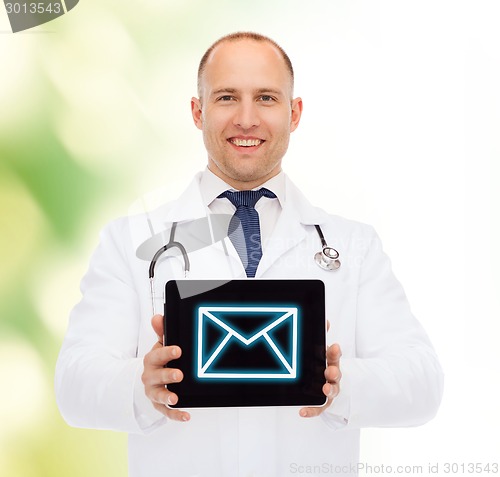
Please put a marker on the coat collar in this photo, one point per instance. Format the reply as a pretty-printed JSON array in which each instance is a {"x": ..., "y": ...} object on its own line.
[
  {"x": 190, "y": 206},
  {"x": 305, "y": 212},
  {"x": 290, "y": 230}
]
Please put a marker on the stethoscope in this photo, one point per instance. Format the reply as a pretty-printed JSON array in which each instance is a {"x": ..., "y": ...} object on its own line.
[
  {"x": 327, "y": 258},
  {"x": 170, "y": 245}
]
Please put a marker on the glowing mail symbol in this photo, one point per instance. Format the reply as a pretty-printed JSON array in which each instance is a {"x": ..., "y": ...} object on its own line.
[{"x": 262, "y": 341}]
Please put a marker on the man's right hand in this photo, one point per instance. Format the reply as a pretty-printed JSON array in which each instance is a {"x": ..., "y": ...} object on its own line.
[{"x": 156, "y": 376}]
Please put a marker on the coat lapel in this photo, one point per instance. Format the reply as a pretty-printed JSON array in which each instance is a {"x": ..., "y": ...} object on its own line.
[
  {"x": 288, "y": 233},
  {"x": 201, "y": 232},
  {"x": 290, "y": 229}
]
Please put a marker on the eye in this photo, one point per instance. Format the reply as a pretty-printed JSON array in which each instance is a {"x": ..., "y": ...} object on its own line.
[
  {"x": 266, "y": 98},
  {"x": 226, "y": 97}
]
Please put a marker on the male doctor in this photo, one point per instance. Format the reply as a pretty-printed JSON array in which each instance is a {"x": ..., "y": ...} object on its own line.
[{"x": 110, "y": 373}]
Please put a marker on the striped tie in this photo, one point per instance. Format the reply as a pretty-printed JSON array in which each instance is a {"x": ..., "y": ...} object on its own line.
[{"x": 244, "y": 228}]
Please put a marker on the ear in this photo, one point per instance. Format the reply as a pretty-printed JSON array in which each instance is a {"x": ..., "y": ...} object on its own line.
[
  {"x": 296, "y": 113},
  {"x": 197, "y": 112}
]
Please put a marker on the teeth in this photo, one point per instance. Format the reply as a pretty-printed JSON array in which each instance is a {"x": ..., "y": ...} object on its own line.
[{"x": 246, "y": 142}]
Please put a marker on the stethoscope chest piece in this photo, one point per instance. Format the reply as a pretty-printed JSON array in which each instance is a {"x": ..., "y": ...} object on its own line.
[{"x": 328, "y": 259}]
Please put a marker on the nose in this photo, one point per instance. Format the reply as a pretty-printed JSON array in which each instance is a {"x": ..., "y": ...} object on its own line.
[{"x": 246, "y": 114}]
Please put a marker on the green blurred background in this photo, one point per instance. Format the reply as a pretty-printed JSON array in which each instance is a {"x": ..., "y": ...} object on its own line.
[{"x": 94, "y": 112}]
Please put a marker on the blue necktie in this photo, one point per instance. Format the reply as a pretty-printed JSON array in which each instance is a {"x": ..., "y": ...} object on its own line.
[{"x": 244, "y": 228}]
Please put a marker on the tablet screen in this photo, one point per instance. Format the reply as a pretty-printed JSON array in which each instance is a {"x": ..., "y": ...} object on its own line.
[{"x": 252, "y": 342}]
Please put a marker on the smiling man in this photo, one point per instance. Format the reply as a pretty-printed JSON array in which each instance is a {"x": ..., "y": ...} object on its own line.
[
  {"x": 246, "y": 110},
  {"x": 113, "y": 373}
]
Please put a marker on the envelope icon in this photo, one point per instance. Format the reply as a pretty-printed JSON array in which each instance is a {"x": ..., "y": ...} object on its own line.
[{"x": 247, "y": 342}]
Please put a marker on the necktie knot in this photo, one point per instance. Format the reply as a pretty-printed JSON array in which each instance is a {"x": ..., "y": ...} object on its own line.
[{"x": 247, "y": 198}]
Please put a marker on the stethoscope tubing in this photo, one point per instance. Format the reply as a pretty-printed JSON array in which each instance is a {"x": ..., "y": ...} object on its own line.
[
  {"x": 327, "y": 259},
  {"x": 171, "y": 244}
]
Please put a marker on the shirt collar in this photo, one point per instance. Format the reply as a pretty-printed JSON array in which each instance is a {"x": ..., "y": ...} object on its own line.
[{"x": 211, "y": 186}]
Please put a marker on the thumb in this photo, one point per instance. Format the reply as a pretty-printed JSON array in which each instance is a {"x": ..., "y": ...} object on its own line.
[{"x": 157, "y": 322}]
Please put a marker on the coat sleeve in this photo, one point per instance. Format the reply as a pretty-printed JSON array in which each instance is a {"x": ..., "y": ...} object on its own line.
[
  {"x": 394, "y": 378},
  {"x": 98, "y": 373}
]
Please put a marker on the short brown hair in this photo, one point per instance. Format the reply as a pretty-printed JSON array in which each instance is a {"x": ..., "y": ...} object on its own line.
[{"x": 243, "y": 35}]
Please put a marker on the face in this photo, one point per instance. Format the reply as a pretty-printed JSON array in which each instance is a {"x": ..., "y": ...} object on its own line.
[{"x": 246, "y": 112}]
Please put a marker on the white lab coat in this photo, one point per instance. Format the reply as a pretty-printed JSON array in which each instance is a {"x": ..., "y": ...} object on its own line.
[{"x": 391, "y": 376}]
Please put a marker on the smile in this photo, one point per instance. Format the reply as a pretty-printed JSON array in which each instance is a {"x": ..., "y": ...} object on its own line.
[{"x": 246, "y": 142}]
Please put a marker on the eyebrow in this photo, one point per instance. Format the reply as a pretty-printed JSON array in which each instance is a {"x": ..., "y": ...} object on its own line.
[
  {"x": 223, "y": 90},
  {"x": 234, "y": 90},
  {"x": 269, "y": 90}
]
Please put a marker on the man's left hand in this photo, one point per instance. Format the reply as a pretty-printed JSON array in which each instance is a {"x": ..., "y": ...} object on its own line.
[{"x": 332, "y": 386}]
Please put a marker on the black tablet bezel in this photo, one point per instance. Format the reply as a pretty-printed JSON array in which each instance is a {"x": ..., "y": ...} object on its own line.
[{"x": 180, "y": 319}]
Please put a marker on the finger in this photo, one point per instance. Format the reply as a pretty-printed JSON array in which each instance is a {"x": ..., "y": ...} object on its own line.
[
  {"x": 327, "y": 326},
  {"x": 310, "y": 411},
  {"x": 161, "y": 377},
  {"x": 174, "y": 414},
  {"x": 155, "y": 386},
  {"x": 333, "y": 355},
  {"x": 331, "y": 390},
  {"x": 161, "y": 395},
  {"x": 157, "y": 322},
  {"x": 333, "y": 374},
  {"x": 314, "y": 411},
  {"x": 159, "y": 355}
]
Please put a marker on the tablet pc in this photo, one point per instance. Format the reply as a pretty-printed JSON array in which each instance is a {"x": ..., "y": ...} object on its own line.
[{"x": 258, "y": 342}]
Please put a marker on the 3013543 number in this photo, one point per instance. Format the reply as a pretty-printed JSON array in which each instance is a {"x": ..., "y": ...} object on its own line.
[
  {"x": 33, "y": 8},
  {"x": 474, "y": 468}
]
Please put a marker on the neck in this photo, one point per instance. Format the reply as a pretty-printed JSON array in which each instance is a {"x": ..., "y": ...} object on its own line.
[{"x": 241, "y": 184}]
